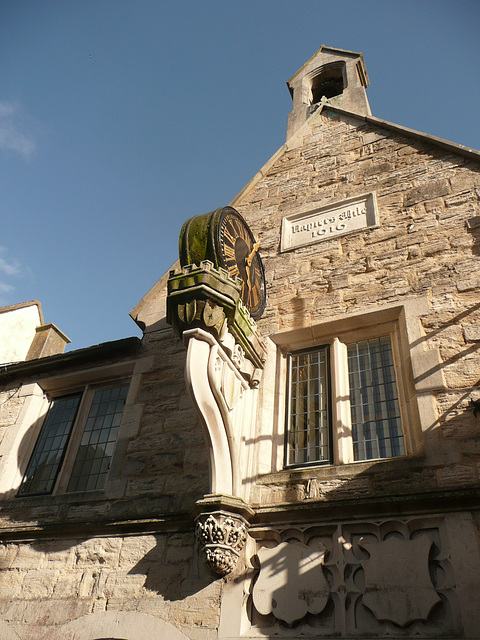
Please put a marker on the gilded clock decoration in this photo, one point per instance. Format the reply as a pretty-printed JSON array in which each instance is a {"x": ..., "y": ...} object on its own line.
[
  {"x": 224, "y": 237},
  {"x": 238, "y": 252}
]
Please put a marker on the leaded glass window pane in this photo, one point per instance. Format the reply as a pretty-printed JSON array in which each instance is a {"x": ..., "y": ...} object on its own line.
[
  {"x": 309, "y": 411},
  {"x": 50, "y": 449},
  {"x": 376, "y": 424},
  {"x": 92, "y": 463}
]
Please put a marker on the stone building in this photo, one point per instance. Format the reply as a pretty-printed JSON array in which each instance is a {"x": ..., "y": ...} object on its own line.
[{"x": 311, "y": 474}]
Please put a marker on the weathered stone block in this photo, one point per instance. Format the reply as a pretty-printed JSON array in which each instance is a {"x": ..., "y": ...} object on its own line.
[
  {"x": 11, "y": 582},
  {"x": 473, "y": 223},
  {"x": 98, "y": 552},
  {"x": 457, "y": 475},
  {"x": 471, "y": 332},
  {"x": 27, "y": 558},
  {"x": 136, "y": 549},
  {"x": 136, "y": 487},
  {"x": 428, "y": 191},
  {"x": 67, "y": 584},
  {"x": 124, "y": 585},
  {"x": 38, "y": 583}
]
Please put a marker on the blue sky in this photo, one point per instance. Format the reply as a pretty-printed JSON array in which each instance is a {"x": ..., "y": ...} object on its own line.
[{"x": 121, "y": 119}]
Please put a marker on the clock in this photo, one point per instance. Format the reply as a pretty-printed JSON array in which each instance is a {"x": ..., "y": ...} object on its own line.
[
  {"x": 237, "y": 251},
  {"x": 224, "y": 237}
]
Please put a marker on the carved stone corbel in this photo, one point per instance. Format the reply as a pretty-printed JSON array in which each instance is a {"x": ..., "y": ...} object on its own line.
[
  {"x": 221, "y": 528},
  {"x": 225, "y": 358},
  {"x": 216, "y": 388},
  {"x": 208, "y": 298}
]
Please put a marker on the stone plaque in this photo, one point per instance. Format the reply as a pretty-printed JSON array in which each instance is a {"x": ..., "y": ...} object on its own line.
[{"x": 355, "y": 214}]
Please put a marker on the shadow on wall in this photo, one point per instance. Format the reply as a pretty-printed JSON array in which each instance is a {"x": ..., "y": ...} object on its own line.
[
  {"x": 90, "y": 534},
  {"x": 24, "y": 448},
  {"x": 174, "y": 568},
  {"x": 98, "y": 568}
]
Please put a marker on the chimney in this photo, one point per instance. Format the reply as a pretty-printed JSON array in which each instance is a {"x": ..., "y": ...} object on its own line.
[{"x": 48, "y": 341}]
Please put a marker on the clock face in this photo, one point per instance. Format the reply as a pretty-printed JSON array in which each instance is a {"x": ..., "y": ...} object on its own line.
[{"x": 238, "y": 253}]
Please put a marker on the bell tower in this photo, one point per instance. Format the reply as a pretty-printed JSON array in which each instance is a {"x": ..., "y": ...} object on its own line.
[{"x": 331, "y": 76}]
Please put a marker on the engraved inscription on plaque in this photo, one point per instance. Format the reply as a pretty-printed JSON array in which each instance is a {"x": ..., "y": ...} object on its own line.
[{"x": 355, "y": 214}]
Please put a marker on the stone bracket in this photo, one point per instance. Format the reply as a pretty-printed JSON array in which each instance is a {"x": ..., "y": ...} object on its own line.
[
  {"x": 208, "y": 298},
  {"x": 221, "y": 528},
  {"x": 225, "y": 403},
  {"x": 225, "y": 358}
]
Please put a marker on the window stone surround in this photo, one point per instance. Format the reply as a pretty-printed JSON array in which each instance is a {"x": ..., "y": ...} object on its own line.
[{"x": 419, "y": 377}]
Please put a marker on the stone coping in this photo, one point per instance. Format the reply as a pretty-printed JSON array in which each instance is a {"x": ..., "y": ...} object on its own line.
[{"x": 22, "y": 305}]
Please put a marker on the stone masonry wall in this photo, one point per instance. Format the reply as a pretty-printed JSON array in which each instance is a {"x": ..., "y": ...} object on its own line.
[
  {"x": 49, "y": 583},
  {"x": 160, "y": 465},
  {"x": 159, "y": 471},
  {"x": 427, "y": 244},
  {"x": 168, "y": 457}
]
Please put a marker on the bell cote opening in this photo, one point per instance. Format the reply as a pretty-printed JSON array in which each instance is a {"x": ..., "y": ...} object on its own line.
[
  {"x": 332, "y": 76},
  {"x": 327, "y": 82}
]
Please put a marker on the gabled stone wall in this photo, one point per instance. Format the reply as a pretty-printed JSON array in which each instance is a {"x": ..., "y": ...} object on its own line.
[
  {"x": 423, "y": 245},
  {"x": 425, "y": 249}
]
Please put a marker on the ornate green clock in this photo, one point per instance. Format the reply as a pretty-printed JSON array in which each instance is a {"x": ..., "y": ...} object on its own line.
[{"x": 224, "y": 238}]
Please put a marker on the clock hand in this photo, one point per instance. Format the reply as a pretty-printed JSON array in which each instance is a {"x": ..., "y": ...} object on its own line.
[
  {"x": 252, "y": 253},
  {"x": 247, "y": 269}
]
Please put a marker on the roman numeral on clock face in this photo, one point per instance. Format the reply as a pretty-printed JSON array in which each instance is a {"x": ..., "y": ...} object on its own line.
[
  {"x": 238, "y": 254},
  {"x": 229, "y": 251},
  {"x": 252, "y": 298},
  {"x": 227, "y": 237},
  {"x": 232, "y": 269}
]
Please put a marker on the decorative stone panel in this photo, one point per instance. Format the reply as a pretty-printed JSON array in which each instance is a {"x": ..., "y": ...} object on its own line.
[
  {"x": 291, "y": 582},
  {"x": 380, "y": 577},
  {"x": 337, "y": 219}
]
